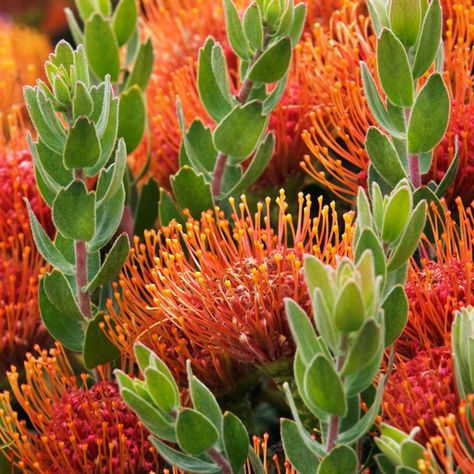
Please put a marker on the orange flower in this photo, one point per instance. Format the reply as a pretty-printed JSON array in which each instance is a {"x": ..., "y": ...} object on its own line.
[
  {"x": 340, "y": 122},
  {"x": 78, "y": 429},
  {"x": 219, "y": 286},
  {"x": 420, "y": 390},
  {"x": 441, "y": 281},
  {"x": 20, "y": 262},
  {"x": 22, "y": 54}
]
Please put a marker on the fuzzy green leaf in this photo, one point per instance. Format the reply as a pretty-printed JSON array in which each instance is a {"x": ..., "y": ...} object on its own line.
[
  {"x": 195, "y": 433},
  {"x": 82, "y": 148},
  {"x": 236, "y": 441},
  {"x": 273, "y": 64},
  {"x": 349, "y": 311},
  {"x": 395, "y": 306},
  {"x": 125, "y": 20},
  {"x": 405, "y": 20},
  {"x": 235, "y": 32},
  {"x": 396, "y": 214},
  {"x": 163, "y": 391},
  {"x": 253, "y": 27},
  {"x": 132, "y": 117},
  {"x": 341, "y": 460},
  {"x": 146, "y": 211},
  {"x": 142, "y": 67}
]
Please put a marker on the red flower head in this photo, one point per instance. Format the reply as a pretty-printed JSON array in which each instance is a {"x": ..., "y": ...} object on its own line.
[
  {"x": 419, "y": 391},
  {"x": 339, "y": 124},
  {"x": 441, "y": 281},
  {"x": 77, "y": 429},
  {"x": 219, "y": 286}
]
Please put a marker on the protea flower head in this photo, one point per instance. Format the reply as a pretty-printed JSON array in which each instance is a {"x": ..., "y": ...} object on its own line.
[
  {"x": 336, "y": 139},
  {"x": 219, "y": 285},
  {"x": 419, "y": 391},
  {"x": 441, "y": 281},
  {"x": 78, "y": 428},
  {"x": 22, "y": 54},
  {"x": 20, "y": 262}
]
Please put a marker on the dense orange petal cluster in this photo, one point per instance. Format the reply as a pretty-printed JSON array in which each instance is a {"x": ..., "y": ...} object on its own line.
[
  {"x": 219, "y": 285},
  {"x": 22, "y": 54},
  {"x": 78, "y": 428},
  {"x": 441, "y": 280},
  {"x": 339, "y": 123}
]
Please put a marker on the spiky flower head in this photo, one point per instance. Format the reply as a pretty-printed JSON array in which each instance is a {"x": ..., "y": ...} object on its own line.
[
  {"x": 419, "y": 391},
  {"x": 218, "y": 285},
  {"x": 336, "y": 139},
  {"x": 78, "y": 429},
  {"x": 22, "y": 54},
  {"x": 442, "y": 280}
]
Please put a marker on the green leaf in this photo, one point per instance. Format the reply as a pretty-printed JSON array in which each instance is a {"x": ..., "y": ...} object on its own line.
[
  {"x": 383, "y": 156},
  {"x": 297, "y": 27},
  {"x": 375, "y": 103},
  {"x": 236, "y": 441},
  {"x": 146, "y": 211},
  {"x": 50, "y": 134},
  {"x": 430, "y": 116},
  {"x": 108, "y": 219},
  {"x": 113, "y": 263},
  {"x": 429, "y": 41},
  {"x": 235, "y": 33},
  {"x": 257, "y": 166},
  {"x": 151, "y": 417},
  {"x": 74, "y": 27},
  {"x": 341, "y": 460},
  {"x": 82, "y": 145},
  {"x": 203, "y": 399},
  {"x": 85, "y": 8},
  {"x": 411, "y": 452},
  {"x": 98, "y": 349},
  {"x": 125, "y": 20},
  {"x": 45, "y": 247},
  {"x": 132, "y": 117},
  {"x": 394, "y": 69},
  {"x": 323, "y": 318},
  {"x": 69, "y": 332},
  {"x": 195, "y": 433},
  {"x": 82, "y": 101},
  {"x": 271, "y": 101},
  {"x": 273, "y": 64},
  {"x": 369, "y": 241},
  {"x": 163, "y": 392},
  {"x": 199, "y": 147},
  {"x": 301, "y": 458},
  {"x": 74, "y": 212},
  {"x": 384, "y": 464},
  {"x": 239, "y": 132},
  {"x": 317, "y": 276},
  {"x": 405, "y": 20},
  {"x": 191, "y": 191},
  {"x": 349, "y": 310},
  {"x": 183, "y": 461},
  {"x": 142, "y": 66},
  {"x": 101, "y": 48},
  {"x": 410, "y": 238},
  {"x": 324, "y": 387},
  {"x": 253, "y": 27},
  {"x": 302, "y": 331},
  {"x": 396, "y": 214},
  {"x": 364, "y": 348},
  {"x": 217, "y": 103},
  {"x": 60, "y": 294},
  {"x": 395, "y": 306},
  {"x": 167, "y": 209},
  {"x": 449, "y": 176}
]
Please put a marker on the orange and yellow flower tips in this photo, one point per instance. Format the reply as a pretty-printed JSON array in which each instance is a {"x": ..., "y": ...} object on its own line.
[
  {"x": 419, "y": 391},
  {"x": 20, "y": 262},
  {"x": 218, "y": 285},
  {"x": 330, "y": 60},
  {"x": 22, "y": 54},
  {"x": 78, "y": 429},
  {"x": 442, "y": 281},
  {"x": 454, "y": 443},
  {"x": 336, "y": 138}
]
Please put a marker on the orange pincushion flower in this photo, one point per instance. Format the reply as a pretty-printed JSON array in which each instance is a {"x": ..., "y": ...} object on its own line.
[
  {"x": 339, "y": 124},
  {"x": 420, "y": 390},
  {"x": 219, "y": 286},
  {"x": 22, "y": 54},
  {"x": 454, "y": 444},
  {"x": 20, "y": 262},
  {"x": 78, "y": 429},
  {"x": 441, "y": 282}
]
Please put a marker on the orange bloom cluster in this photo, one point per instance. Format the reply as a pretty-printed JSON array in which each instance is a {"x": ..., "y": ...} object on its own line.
[
  {"x": 178, "y": 30},
  {"x": 78, "y": 429},
  {"x": 219, "y": 286},
  {"x": 336, "y": 139},
  {"x": 419, "y": 391},
  {"x": 20, "y": 262},
  {"x": 22, "y": 54},
  {"x": 442, "y": 281}
]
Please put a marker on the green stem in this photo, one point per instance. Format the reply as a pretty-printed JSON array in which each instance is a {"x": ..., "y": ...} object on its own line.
[{"x": 413, "y": 159}]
